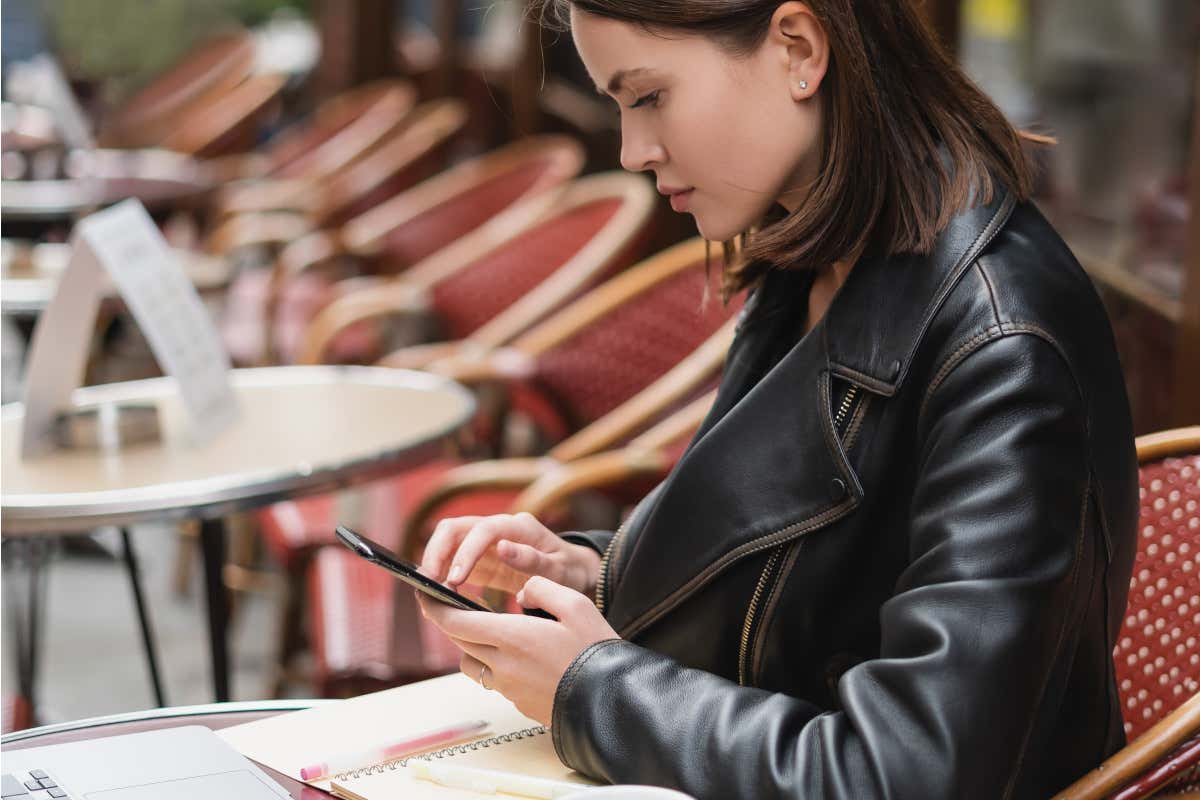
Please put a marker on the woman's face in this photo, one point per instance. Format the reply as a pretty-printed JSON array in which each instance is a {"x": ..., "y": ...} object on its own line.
[{"x": 737, "y": 133}]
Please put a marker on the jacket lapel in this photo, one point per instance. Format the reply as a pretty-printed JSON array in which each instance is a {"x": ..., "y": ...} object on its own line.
[{"x": 737, "y": 489}]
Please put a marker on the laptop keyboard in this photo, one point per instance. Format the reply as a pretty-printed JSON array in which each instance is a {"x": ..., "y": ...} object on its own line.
[{"x": 34, "y": 785}]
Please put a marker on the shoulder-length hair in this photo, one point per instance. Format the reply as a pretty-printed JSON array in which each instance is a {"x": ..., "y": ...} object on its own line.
[{"x": 909, "y": 140}]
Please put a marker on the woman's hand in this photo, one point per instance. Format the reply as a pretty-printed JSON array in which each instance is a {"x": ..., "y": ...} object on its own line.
[
  {"x": 503, "y": 551},
  {"x": 524, "y": 657}
]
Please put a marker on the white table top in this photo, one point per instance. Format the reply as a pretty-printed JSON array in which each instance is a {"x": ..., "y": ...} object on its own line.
[
  {"x": 302, "y": 430},
  {"x": 29, "y": 274}
]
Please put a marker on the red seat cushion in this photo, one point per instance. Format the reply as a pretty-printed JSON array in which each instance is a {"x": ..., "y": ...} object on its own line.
[
  {"x": 1157, "y": 654},
  {"x": 440, "y": 225},
  {"x": 475, "y": 294}
]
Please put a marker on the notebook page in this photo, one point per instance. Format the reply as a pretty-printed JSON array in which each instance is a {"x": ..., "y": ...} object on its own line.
[
  {"x": 288, "y": 742},
  {"x": 533, "y": 756}
]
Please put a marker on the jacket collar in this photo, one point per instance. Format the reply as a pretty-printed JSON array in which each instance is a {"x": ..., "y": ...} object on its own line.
[
  {"x": 737, "y": 490},
  {"x": 875, "y": 350}
]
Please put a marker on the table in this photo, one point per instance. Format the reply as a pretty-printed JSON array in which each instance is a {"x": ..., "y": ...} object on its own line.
[
  {"x": 214, "y": 716},
  {"x": 302, "y": 430},
  {"x": 100, "y": 178},
  {"x": 29, "y": 274}
]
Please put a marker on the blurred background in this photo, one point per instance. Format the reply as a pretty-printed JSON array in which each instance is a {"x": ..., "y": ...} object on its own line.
[{"x": 291, "y": 151}]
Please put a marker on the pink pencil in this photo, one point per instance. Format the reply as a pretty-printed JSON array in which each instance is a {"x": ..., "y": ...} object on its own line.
[{"x": 343, "y": 762}]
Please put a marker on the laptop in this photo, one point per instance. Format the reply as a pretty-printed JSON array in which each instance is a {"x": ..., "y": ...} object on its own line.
[{"x": 186, "y": 763}]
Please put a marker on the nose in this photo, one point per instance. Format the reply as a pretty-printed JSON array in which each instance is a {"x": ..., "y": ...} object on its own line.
[{"x": 640, "y": 149}]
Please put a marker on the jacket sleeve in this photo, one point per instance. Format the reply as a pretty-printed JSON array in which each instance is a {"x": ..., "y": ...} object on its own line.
[
  {"x": 597, "y": 540},
  {"x": 978, "y": 628}
]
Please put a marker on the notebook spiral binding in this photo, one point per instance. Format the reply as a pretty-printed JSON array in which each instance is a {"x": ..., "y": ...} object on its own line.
[{"x": 456, "y": 750}]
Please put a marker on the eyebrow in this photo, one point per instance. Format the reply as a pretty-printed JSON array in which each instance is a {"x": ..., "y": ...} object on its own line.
[{"x": 614, "y": 83}]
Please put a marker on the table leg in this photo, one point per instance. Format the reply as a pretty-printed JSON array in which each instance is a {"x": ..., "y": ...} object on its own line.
[
  {"x": 25, "y": 614},
  {"x": 135, "y": 581},
  {"x": 212, "y": 543}
]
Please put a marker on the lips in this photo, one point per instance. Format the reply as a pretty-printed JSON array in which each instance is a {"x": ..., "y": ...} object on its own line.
[
  {"x": 679, "y": 200},
  {"x": 679, "y": 195}
]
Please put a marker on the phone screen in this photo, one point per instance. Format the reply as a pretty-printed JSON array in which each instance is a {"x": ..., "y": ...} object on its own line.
[{"x": 404, "y": 570}]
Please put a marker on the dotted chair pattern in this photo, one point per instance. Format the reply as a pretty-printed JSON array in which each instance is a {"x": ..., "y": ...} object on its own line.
[
  {"x": 436, "y": 227},
  {"x": 1157, "y": 654},
  {"x": 616, "y": 356}
]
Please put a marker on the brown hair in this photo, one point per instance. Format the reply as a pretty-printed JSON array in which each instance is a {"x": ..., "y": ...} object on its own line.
[{"x": 909, "y": 140}]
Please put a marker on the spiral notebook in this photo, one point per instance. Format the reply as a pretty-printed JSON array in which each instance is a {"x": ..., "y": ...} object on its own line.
[{"x": 512, "y": 743}]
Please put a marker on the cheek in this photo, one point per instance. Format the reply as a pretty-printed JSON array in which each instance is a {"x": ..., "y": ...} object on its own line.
[{"x": 738, "y": 150}]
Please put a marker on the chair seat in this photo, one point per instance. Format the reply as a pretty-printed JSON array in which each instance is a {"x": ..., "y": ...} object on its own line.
[{"x": 1157, "y": 655}]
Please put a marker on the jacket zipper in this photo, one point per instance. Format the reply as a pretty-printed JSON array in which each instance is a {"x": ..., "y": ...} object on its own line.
[
  {"x": 842, "y": 422},
  {"x": 755, "y": 599},
  {"x": 844, "y": 409},
  {"x": 606, "y": 559}
]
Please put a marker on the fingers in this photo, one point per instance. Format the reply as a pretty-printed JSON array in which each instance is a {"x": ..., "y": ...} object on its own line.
[
  {"x": 443, "y": 543},
  {"x": 563, "y": 602},
  {"x": 521, "y": 528},
  {"x": 524, "y": 558},
  {"x": 479, "y": 627},
  {"x": 480, "y": 652}
]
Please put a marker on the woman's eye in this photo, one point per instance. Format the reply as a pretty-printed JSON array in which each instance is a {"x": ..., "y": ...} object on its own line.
[{"x": 650, "y": 99}]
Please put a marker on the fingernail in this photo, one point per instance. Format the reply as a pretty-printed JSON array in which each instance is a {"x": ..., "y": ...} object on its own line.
[
  {"x": 521, "y": 597},
  {"x": 455, "y": 571}
]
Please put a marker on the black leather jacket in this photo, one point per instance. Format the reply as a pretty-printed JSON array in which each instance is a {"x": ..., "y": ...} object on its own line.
[{"x": 894, "y": 559}]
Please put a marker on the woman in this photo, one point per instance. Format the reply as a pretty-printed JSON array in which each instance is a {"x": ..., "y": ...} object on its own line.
[{"x": 894, "y": 558}]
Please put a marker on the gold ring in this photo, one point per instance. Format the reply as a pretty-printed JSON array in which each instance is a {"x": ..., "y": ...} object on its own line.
[{"x": 483, "y": 671}]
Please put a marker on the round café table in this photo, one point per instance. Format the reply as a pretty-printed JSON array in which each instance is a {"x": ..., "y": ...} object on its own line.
[
  {"x": 215, "y": 716},
  {"x": 29, "y": 274},
  {"x": 301, "y": 431}
]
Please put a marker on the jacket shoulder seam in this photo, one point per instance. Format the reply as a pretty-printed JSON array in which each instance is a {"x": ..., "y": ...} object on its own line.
[
  {"x": 991, "y": 289},
  {"x": 997, "y": 331}
]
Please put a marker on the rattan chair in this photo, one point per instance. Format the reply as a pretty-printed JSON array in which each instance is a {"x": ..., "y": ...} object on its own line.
[
  {"x": 341, "y": 131},
  {"x": 228, "y": 124},
  {"x": 402, "y": 231},
  {"x": 1157, "y": 655},
  {"x": 206, "y": 72},
  {"x": 411, "y": 154},
  {"x": 493, "y": 284}
]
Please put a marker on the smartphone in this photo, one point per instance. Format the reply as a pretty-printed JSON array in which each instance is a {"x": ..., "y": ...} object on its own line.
[{"x": 378, "y": 554}]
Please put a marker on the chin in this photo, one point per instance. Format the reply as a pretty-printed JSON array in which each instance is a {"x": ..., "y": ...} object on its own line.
[
  {"x": 717, "y": 230},
  {"x": 724, "y": 226}
]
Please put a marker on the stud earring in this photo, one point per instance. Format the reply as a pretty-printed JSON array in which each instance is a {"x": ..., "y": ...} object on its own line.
[{"x": 803, "y": 85}]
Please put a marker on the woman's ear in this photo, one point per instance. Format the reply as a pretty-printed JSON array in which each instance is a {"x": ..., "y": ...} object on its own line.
[{"x": 803, "y": 46}]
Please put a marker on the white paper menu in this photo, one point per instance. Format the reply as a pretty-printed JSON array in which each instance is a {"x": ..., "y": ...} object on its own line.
[{"x": 123, "y": 243}]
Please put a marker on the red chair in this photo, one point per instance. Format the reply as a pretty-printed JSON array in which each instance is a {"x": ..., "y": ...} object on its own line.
[
  {"x": 612, "y": 363},
  {"x": 205, "y": 73},
  {"x": 1157, "y": 655},
  {"x": 402, "y": 231},
  {"x": 228, "y": 124},
  {"x": 340, "y": 132},
  {"x": 413, "y": 153}
]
